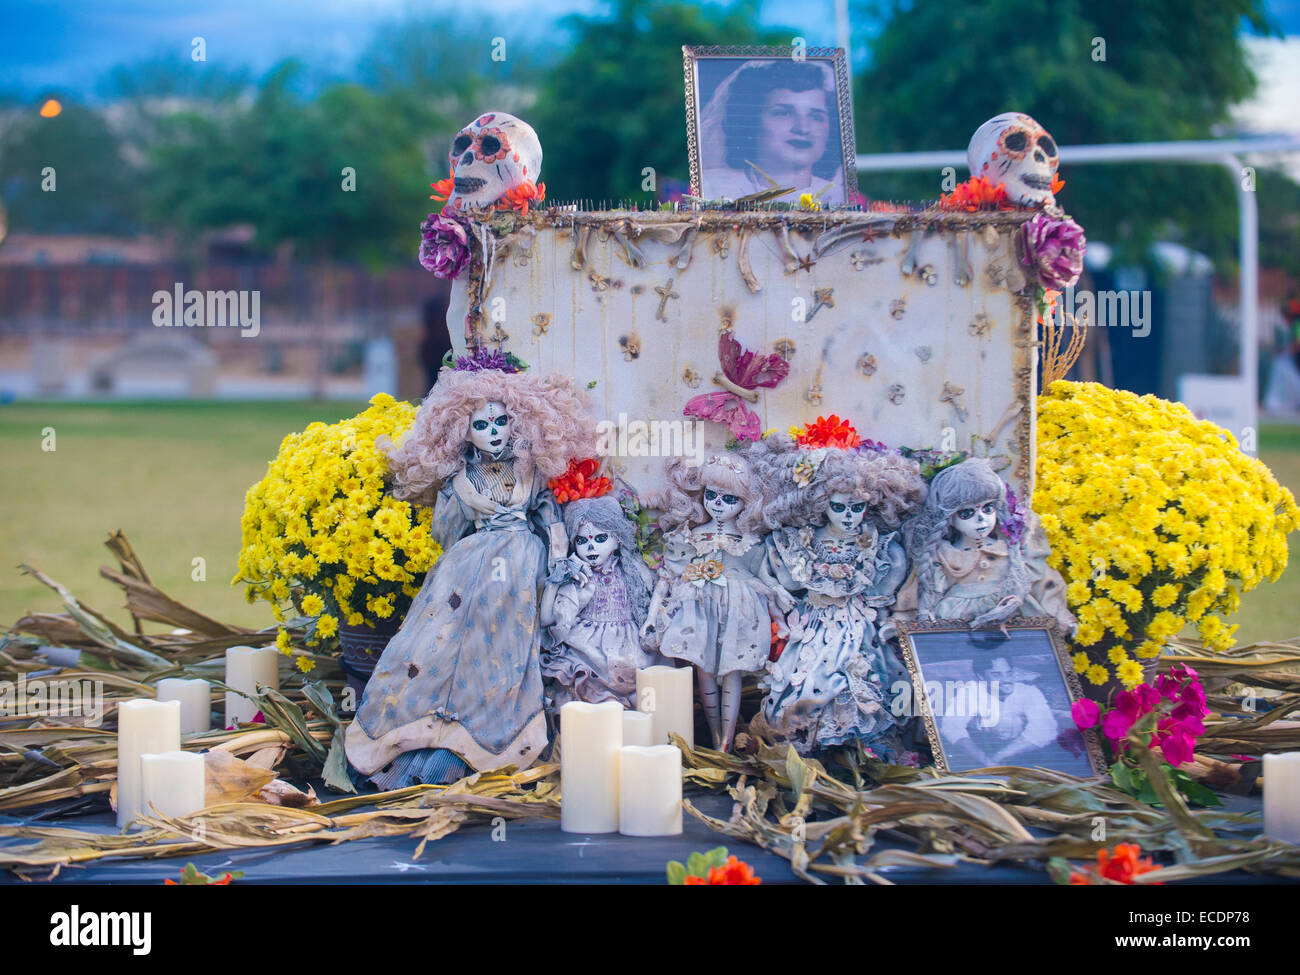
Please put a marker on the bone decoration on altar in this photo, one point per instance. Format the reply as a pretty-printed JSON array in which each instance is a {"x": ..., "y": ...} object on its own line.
[{"x": 919, "y": 325}]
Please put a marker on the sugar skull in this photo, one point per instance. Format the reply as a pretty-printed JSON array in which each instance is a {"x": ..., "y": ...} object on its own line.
[
  {"x": 491, "y": 156},
  {"x": 1016, "y": 151}
]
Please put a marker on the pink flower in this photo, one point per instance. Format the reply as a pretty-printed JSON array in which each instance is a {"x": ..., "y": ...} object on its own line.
[
  {"x": 1054, "y": 249},
  {"x": 1086, "y": 713},
  {"x": 1177, "y": 748}
]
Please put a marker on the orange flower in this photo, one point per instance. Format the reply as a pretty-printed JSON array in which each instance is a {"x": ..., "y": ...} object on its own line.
[
  {"x": 696, "y": 882},
  {"x": 520, "y": 196},
  {"x": 735, "y": 873},
  {"x": 828, "y": 432},
  {"x": 1119, "y": 867},
  {"x": 1049, "y": 299},
  {"x": 442, "y": 189},
  {"x": 975, "y": 193},
  {"x": 579, "y": 481},
  {"x": 777, "y": 644},
  {"x": 1058, "y": 184}
]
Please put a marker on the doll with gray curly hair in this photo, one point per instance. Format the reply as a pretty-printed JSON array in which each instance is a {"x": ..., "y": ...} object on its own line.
[
  {"x": 710, "y": 608},
  {"x": 835, "y": 544},
  {"x": 969, "y": 563},
  {"x": 594, "y": 606}
]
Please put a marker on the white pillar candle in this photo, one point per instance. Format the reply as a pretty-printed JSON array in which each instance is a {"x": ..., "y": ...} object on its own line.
[
  {"x": 142, "y": 726},
  {"x": 1282, "y": 796},
  {"x": 667, "y": 694},
  {"x": 590, "y": 737},
  {"x": 172, "y": 783},
  {"x": 196, "y": 702},
  {"x": 650, "y": 790},
  {"x": 246, "y": 667},
  {"x": 638, "y": 728}
]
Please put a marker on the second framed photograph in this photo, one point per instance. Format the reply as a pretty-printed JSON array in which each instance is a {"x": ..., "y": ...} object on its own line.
[
  {"x": 991, "y": 698},
  {"x": 760, "y": 118}
]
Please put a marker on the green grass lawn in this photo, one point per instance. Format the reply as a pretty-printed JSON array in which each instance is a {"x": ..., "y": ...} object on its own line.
[{"x": 172, "y": 476}]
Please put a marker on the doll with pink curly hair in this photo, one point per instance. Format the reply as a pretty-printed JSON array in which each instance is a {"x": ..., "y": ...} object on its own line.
[
  {"x": 710, "y": 608},
  {"x": 459, "y": 686}
]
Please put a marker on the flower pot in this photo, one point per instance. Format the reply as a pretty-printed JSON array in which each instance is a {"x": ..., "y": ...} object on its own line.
[{"x": 362, "y": 647}]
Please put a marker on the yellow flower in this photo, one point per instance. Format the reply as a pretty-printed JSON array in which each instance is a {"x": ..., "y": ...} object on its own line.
[
  {"x": 1163, "y": 597},
  {"x": 1116, "y": 655},
  {"x": 1081, "y": 662},
  {"x": 327, "y": 625},
  {"x": 1097, "y": 674},
  {"x": 313, "y": 605},
  {"x": 305, "y": 664},
  {"x": 1129, "y": 673},
  {"x": 808, "y": 202},
  {"x": 282, "y": 641}
]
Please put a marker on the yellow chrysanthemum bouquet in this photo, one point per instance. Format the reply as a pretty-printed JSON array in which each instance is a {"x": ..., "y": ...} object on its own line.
[
  {"x": 1156, "y": 519},
  {"x": 321, "y": 537}
]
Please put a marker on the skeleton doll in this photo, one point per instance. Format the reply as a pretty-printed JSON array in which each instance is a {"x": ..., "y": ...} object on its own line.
[
  {"x": 835, "y": 544},
  {"x": 491, "y": 156},
  {"x": 459, "y": 686},
  {"x": 709, "y": 607},
  {"x": 972, "y": 562},
  {"x": 593, "y": 608},
  {"x": 1016, "y": 151}
]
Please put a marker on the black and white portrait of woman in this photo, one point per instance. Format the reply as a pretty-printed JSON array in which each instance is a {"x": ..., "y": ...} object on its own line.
[{"x": 769, "y": 122}]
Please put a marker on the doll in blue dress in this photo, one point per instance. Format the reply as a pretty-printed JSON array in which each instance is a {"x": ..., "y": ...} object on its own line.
[{"x": 459, "y": 686}]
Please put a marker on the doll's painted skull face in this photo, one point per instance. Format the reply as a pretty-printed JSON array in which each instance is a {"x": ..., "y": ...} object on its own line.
[
  {"x": 976, "y": 522},
  {"x": 594, "y": 545},
  {"x": 489, "y": 428},
  {"x": 720, "y": 505},
  {"x": 844, "y": 513}
]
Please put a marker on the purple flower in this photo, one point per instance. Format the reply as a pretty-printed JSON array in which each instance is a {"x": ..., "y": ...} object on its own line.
[
  {"x": 1013, "y": 526},
  {"x": 491, "y": 359},
  {"x": 444, "y": 249},
  {"x": 1054, "y": 249}
]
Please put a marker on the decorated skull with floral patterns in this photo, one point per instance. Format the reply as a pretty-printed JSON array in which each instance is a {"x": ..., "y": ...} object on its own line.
[
  {"x": 490, "y": 157},
  {"x": 1016, "y": 151}
]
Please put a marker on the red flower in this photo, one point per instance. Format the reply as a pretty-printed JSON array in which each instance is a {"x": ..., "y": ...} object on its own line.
[
  {"x": 778, "y": 643},
  {"x": 975, "y": 194},
  {"x": 829, "y": 432},
  {"x": 1121, "y": 867},
  {"x": 442, "y": 189},
  {"x": 735, "y": 873},
  {"x": 579, "y": 481},
  {"x": 521, "y": 196}
]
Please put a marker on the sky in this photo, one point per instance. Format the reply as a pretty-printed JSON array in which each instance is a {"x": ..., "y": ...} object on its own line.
[{"x": 71, "y": 44}]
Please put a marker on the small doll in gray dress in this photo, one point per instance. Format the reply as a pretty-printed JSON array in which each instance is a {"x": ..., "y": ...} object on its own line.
[
  {"x": 710, "y": 608},
  {"x": 593, "y": 607},
  {"x": 835, "y": 544}
]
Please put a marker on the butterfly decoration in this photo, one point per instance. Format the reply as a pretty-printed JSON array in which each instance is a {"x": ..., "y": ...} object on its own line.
[{"x": 743, "y": 372}]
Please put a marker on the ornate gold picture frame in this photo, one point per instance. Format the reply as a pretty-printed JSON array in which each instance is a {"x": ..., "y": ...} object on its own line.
[
  {"x": 991, "y": 698},
  {"x": 759, "y": 117}
]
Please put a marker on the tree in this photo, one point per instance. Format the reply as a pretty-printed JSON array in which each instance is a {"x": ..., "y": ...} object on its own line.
[
  {"x": 1091, "y": 71},
  {"x": 616, "y": 104}
]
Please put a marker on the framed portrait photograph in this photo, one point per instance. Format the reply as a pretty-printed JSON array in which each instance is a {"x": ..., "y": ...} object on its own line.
[
  {"x": 991, "y": 698},
  {"x": 765, "y": 117}
]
